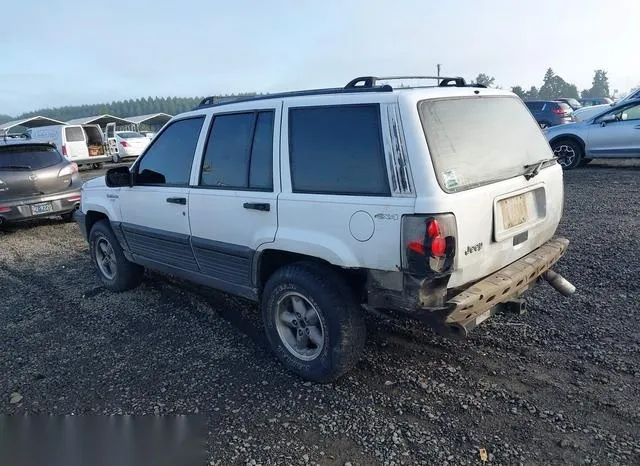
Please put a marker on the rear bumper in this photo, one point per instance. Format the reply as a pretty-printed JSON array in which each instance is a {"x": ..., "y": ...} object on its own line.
[
  {"x": 461, "y": 312},
  {"x": 61, "y": 203},
  {"x": 477, "y": 303}
]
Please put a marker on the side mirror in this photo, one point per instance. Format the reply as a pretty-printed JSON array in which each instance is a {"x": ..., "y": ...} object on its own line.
[
  {"x": 118, "y": 177},
  {"x": 608, "y": 119}
]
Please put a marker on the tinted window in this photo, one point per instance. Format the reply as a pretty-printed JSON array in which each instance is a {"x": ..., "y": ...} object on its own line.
[
  {"x": 337, "y": 150},
  {"x": 74, "y": 134},
  {"x": 169, "y": 159},
  {"x": 239, "y": 152},
  {"x": 565, "y": 107},
  {"x": 28, "y": 157},
  {"x": 534, "y": 106}
]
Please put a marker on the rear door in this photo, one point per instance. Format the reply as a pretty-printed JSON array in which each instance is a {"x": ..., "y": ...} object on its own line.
[
  {"x": 618, "y": 138},
  {"x": 155, "y": 212},
  {"x": 110, "y": 136},
  {"x": 75, "y": 143},
  {"x": 479, "y": 148},
  {"x": 233, "y": 208}
]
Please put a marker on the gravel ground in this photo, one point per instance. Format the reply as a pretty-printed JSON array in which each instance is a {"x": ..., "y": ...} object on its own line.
[{"x": 559, "y": 384}]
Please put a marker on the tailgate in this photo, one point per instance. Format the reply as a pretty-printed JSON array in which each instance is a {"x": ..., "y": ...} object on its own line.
[{"x": 499, "y": 223}]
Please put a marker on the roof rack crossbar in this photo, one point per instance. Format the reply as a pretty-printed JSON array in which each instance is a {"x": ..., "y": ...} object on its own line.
[{"x": 371, "y": 81}]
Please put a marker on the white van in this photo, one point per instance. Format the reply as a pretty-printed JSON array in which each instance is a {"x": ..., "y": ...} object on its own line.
[{"x": 82, "y": 144}]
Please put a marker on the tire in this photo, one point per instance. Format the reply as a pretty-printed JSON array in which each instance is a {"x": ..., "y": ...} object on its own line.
[
  {"x": 569, "y": 152},
  {"x": 332, "y": 314},
  {"x": 115, "y": 158},
  {"x": 68, "y": 217},
  {"x": 96, "y": 165},
  {"x": 124, "y": 274}
]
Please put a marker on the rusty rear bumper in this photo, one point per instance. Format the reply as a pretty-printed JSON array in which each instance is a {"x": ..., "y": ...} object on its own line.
[{"x": 478, "y": 302}]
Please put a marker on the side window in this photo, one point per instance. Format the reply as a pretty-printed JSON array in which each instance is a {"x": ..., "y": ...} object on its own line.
[
  {"x": 630, "y": 113},
  {"x": 74, "y": 134},
  {"x": 239, "y": 153},
  {"x": 168, "y": 160},
  {"x": 337, "y": 150}
]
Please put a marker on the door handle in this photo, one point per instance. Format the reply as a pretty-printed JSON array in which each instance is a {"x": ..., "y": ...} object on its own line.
[
  {"x": 177, "y": 200},
  {"x": 265, "y": 207}
]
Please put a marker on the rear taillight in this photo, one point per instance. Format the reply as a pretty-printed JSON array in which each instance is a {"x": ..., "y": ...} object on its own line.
[
  {"x": 4, "y": 209},
  {"x": 429, "y": 244},
  {"x": 123, "y": 143},
  {"x": 558, "y": 111},
  {"x": 64, "y": 150},
  {"x": 69, "y": 170}
]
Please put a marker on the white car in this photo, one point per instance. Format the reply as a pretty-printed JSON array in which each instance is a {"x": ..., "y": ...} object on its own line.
[
  {"x": 586, "y": 113},
  {"x": 130, "y": 144},
  {"x": 440, "y": 202}
]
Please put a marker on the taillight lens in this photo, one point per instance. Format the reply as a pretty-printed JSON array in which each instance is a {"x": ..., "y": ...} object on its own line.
[
  {"x": 64, "y": 150},
  {"x": 68, "y": 170},
  {"x": 557, "y": 111},
  {"x": 123, "y": 143},
  {"x": 429, "y": 244}
]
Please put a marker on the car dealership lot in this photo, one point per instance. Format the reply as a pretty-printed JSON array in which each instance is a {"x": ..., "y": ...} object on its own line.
[{"x": 558, "y": 384}]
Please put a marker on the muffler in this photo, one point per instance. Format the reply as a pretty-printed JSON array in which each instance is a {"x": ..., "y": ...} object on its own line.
[{"x": 561, "y": 284}]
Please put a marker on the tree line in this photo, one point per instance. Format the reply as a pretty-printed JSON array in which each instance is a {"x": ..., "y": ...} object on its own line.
[
  {"x": 554, "y": 86},
  {"x": 121, "y": 108}
]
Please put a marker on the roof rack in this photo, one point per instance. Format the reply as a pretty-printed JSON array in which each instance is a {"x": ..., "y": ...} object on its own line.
[
  {"x": 360, "y": 84},
  {"x": 443, "y": 81}
]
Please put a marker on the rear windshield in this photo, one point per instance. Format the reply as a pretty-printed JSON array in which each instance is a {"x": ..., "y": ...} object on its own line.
[
  {"x": 479, "y": 140},
  {"x": 31, "y": 157},
  {"x": 535, "y": 106},
  {"x": 566, "y": 107},
  {"x": 74, "y": 134},
  {"x": 130, "y": 134}
]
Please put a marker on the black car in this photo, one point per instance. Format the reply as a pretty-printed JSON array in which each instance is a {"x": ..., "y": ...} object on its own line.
[
  {"x": 550, "y": 112},
  {"x": 36, "y": 181}
]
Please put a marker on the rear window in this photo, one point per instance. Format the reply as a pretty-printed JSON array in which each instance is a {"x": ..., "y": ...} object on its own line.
[
  {"x": 479, "y": 140},
  {"x": 130, "y": 134},
  {"x": 535, "y": 106},
  {"x": 566, "y": 107},
  {"x": 74, "y": 134},
  {"x": 28, "y": 157}
]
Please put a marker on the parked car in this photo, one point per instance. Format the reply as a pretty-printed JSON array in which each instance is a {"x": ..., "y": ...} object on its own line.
[
  {"x": 130, "y": 144},
  {"x": 36, "y": 181},
  {"x": 550, "y": 112},
  {"x": 573, "y": 103},
  {"x": 614, "y": 133},
  {"x": 440, "y": 202},
  {"x": 588, "y": 112},
  {"x": 588, "y": 102},
  {"x": 82, "y": 144}
]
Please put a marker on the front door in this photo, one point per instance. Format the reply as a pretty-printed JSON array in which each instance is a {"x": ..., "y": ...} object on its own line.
[
  {"x": 620, "y": 138},
  {"x": 233, "y": 207},
  {"x": 110, "y": 138},
  {"x": 155, "y": 212}
]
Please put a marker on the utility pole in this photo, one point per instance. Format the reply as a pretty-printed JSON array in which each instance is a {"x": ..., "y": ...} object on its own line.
[{"x": 438, "y": 67}]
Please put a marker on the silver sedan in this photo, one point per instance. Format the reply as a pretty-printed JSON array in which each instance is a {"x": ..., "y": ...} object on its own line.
[{"x": 613, "y": 133}]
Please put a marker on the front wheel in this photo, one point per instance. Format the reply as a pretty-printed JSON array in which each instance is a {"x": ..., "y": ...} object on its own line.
[
  {"x": 114, "y": 270},
  {"x": 569, "y": 153},
  {"x": 313, "y": 322}
]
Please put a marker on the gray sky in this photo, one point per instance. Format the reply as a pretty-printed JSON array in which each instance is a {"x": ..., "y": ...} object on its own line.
[{"x": 69, "y": 52}]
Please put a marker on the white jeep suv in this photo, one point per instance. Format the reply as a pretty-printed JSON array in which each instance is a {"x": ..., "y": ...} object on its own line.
[{"x": 437, "y": 201}]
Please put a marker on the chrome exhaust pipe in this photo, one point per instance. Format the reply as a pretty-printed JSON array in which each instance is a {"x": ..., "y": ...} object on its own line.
[{"x": 557, "y": 281}]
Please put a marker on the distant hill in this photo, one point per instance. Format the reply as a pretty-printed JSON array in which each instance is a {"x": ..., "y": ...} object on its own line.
[{"x": 121, "y": 108}]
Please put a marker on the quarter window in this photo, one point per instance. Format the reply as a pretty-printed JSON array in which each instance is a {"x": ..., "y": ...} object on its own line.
[
  {"x": 337, "y": 150},
  {"x": 169, "y": 158},
  {"x": 239, "y": 153}
]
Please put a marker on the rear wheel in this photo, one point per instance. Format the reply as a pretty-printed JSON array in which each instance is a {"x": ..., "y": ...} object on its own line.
[
  {"x": 68, "y": 217},
  {"x": 96, "y": 165},
  {"x": 313, "y": 321},
  {"x": 569, "y": 153},
  {"x": 115, "y": 158},
  {"x": 114, "y": 270}
]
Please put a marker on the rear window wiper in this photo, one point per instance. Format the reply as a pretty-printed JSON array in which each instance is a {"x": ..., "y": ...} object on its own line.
[
  {"x": 15, "y": 167},
  {"x": 533, "y": 169}
]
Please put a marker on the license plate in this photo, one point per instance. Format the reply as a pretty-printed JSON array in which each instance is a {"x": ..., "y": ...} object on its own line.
[
  {"x": 514, "y": 211},
  {"x": 42, "y": 208}
]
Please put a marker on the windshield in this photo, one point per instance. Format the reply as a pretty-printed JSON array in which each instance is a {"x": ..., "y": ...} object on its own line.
[
  {"x": 28, "y": 157},
  {"x": 477, "y": 140},
  {"x": 130, "y": 135}
]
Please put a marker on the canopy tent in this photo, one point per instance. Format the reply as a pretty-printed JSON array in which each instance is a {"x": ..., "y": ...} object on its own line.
[
  {"x": 154, "y": 121},
  {"x": 19, "y": 126},
  {"x": 102, "y": 120}
]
